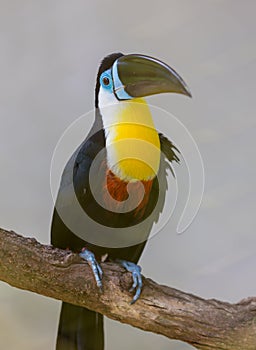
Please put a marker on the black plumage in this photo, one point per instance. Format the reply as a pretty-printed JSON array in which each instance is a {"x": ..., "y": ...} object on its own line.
[{"x": 81, "y": 329}]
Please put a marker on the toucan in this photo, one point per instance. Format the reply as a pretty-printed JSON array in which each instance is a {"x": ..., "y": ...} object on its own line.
[{"x": 113, "y": 187}]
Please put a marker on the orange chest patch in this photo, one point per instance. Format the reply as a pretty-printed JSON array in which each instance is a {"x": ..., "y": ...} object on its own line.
[{"x": 121, "y": 196}]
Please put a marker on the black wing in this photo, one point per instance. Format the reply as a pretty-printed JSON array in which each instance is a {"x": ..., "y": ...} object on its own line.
[{"x": 75, "y": 186}]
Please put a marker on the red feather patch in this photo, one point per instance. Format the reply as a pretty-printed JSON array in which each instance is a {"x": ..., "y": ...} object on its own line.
[{"x": 127, "y": 196}]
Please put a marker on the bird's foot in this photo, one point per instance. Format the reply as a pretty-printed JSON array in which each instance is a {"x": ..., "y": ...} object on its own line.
[
  {"x": 88, "y": 256},
  {"x": 136, "y": 276}
]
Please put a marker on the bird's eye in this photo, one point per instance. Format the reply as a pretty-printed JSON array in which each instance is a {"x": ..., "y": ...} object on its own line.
[{"x": 106, "y": 81}]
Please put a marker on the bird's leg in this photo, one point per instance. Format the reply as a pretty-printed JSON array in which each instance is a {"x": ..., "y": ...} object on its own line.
[
  {"x": 136, "y": 276},
  {"x": 88, "y": 256}
]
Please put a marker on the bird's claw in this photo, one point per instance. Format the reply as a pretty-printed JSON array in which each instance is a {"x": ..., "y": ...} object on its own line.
[
  {"x": 88, "y": 256},
  {"x": 136, "y": 276}
]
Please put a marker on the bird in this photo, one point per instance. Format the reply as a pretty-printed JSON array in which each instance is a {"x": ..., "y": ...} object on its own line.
[{"x": 113, "y": 187}]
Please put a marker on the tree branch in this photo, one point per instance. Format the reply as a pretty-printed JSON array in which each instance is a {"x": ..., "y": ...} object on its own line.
[{"x": 205, "y": 324}]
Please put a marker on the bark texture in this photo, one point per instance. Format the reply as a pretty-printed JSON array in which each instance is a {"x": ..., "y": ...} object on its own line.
[{"x": 205, "y": 324}]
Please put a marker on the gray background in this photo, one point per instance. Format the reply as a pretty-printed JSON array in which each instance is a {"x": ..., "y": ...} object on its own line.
[{"x": 50, "y": 51}]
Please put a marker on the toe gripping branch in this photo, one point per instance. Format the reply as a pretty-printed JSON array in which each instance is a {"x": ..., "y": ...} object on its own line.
[
  {"x": 136, "y": 276},
  {"x": 88, "y": 256}
]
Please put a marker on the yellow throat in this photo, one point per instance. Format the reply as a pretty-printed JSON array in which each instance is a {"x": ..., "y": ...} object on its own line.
[{"x": 133, "y": 146}]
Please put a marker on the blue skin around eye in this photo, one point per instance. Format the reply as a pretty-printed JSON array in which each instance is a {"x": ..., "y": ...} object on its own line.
[
  {"x": 107, "y": 74},
  {"x": 118, "y": 86}
]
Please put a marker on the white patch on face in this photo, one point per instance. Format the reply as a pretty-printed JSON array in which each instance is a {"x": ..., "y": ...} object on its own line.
[
  {"x": 110, "y": 108},
  {"x": 106, "y": 98}
]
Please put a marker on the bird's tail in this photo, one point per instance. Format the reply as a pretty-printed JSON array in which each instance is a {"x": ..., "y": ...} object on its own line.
[{"x": 80, "y": 329}]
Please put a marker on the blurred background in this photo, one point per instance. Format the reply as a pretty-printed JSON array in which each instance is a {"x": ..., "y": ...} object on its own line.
[{"x": 50, "y": 52}]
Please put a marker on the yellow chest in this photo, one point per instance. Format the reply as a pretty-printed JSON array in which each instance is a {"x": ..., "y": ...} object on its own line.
[{"x": 133, "y": 146}]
